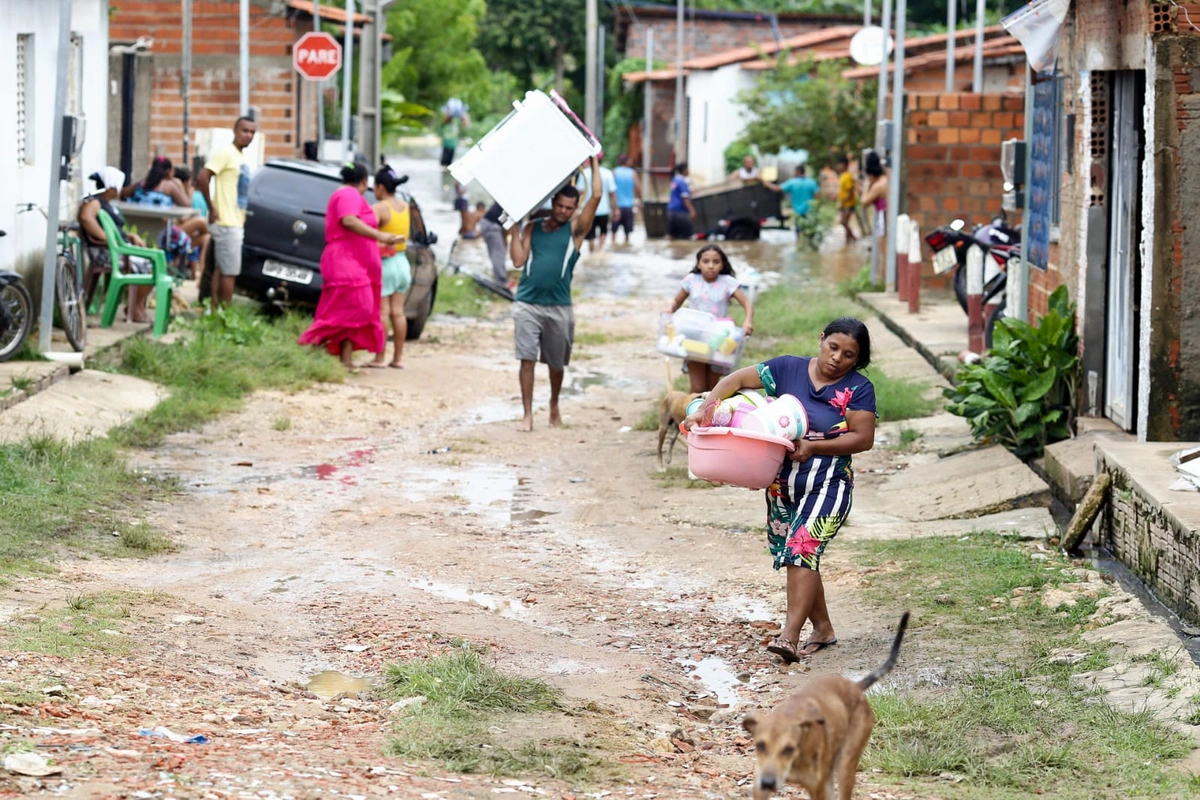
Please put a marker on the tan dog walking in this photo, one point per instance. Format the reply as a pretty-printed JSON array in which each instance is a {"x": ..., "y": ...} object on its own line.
[
  {"x": 671, "y": 411},
  {"x": 818, "y": 734}
]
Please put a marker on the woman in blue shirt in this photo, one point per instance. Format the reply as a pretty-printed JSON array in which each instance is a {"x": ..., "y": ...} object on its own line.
[
  {"x": 811, "y": 498},
  {"x": 680, "y": 211}
]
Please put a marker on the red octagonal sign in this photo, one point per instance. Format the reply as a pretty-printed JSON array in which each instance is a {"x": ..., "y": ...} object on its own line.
[{"x": 316, "y": 56}]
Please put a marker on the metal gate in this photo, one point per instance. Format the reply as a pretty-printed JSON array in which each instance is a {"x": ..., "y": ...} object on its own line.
[{"x": 1124, "y": 229}]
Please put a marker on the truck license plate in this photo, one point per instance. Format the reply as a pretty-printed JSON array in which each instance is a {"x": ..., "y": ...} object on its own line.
[
  {"x": 944, "y": 260},
  {"x": 286, "y": 272}
]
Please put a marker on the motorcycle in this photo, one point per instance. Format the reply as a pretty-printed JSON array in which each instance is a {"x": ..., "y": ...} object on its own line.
[
  {"x": 950, "y": 244},
  {"x": 16, "y": 313}
]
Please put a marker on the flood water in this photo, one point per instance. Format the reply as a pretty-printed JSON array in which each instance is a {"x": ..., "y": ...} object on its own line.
[{"x": 649, "y": 268}]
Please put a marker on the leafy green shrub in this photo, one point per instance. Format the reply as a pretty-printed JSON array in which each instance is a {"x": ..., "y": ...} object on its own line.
[
  {"x": 1023, "y": 392},
  {"x": 737, "y": 150},
  {"x": 817, "y": 222}
]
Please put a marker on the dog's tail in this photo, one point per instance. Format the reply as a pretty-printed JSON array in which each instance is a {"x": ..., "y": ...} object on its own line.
[{"x": 870, "y": 680}]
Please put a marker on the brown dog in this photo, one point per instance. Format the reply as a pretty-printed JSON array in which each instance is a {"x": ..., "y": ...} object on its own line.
[
  {"x": 817, "y": 734},
  {"x": 671, "y": 412}
]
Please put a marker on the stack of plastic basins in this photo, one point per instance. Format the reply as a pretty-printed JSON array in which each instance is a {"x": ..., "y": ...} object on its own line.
[{"x": 528, "y": 156}]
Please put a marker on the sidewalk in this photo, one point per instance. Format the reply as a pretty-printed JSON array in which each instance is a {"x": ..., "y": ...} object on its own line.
[
  {"x": 938, "y": 331},
  {"x": 36, "y": 395}
]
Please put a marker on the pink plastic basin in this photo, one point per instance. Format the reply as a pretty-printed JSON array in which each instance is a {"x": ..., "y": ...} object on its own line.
[{"x": 736, "y": 457}]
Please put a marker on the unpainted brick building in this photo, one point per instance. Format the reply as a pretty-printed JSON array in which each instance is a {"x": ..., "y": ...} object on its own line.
[{"x": 284, "y": 103}]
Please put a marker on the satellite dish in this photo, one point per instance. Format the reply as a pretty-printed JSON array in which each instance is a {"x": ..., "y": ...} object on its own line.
[{"x": 870, "y": 46}]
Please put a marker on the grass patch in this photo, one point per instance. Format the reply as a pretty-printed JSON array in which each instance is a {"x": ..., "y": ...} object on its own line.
[
  {"x": 861, "y": 282},
  {"x": 469, "y": 720},
  {"x": 1160, "y": 667},
  {"x": 59, "y": 496},
  {"x": 460, "y": 296},
  {"x": 593, "y": 338},
  {"x": 1019, "y": 728},
  {"x": 788, "y": 320},
  {"x": 83, "y": 622},
  {"x": 229, "y": 355},
  {"x": 21, "y": 384},
  {"x": 282, "y": 424},
  {"x": 908, "y": 438},
  {"x": 676, "y": 476}
]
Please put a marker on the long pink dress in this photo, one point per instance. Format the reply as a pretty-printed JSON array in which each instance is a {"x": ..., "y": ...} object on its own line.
[{"x": 353, "y": 280}]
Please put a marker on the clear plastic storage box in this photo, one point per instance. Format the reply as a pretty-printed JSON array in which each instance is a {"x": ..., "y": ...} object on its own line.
[{"x": 699, "y": 336}]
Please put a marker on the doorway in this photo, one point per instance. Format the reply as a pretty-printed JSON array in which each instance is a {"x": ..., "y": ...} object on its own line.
[{"x": 1124, "y": 226}]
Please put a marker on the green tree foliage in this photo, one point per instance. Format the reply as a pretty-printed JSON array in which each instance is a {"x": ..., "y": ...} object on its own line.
[
  {"x": 625, "y": 106},
  {"x": 434, "y": 52},
  {"x": 527, "y": 37},
  {"x": 813, "y": 108}
]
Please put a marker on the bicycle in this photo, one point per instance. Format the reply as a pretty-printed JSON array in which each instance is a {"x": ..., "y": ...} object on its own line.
[
  {"x": 16, "y": 313},
  {"x": 68, "y": 280}
]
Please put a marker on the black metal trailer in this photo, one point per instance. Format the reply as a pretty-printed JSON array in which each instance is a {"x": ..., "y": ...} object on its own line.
[{"x": 737, "y": 214}]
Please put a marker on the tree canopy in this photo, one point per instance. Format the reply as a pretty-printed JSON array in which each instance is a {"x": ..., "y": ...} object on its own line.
[{"x": 802, "y": 106}]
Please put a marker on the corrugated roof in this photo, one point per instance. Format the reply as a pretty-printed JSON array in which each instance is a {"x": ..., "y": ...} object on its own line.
[
  {"x": 997, "y": 48},
  {"x": 808, "y": 40}
]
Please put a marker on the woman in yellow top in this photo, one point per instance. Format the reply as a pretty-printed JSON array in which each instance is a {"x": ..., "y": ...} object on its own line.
[
  {"x": 847, "y": 197},
  {"x": 394, "y": 217}
]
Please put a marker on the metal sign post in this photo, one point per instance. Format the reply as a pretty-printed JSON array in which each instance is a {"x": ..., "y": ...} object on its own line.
[
  {"x": 185, "y": 75},
  {"x": 244, "y": 29},
  {"x": 893, "y": 203},
  {"x": 680, "y": 153},
  {"x": 951, "y": 43},
  {"x": 347, "y": 68},
  {"x": 46, "y": 319},
  {"x": 647, "y": 116}
]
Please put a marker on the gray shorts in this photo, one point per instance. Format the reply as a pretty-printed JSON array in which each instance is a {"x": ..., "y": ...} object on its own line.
[
  {"x": 544, "y": 333},
  {"x": 227, "y": 248}
]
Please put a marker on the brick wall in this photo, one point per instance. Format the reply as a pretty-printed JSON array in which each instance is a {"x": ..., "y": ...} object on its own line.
[
  {"x": 952, "y": 160},
  {"x": 1149, "y": 538},
  {"x": 286, "y": 106}
]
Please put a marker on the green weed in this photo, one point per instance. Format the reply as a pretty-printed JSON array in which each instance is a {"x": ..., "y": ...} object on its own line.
[
  {"x": 460, "y": 296},
  {"x": 82, "y": 623},
  {"x": 676, "y": 476},
  {"x": 231, "y": 355},
  {"x": 470, "y": 719},
  {"x": 282, "y": 424},
  {"x": 77, "y": 496},
  {"x": 861, "y": 282},
  {"x": 21, "y": 384}
]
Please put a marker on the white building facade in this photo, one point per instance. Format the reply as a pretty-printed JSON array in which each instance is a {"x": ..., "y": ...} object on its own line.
[
  {"x": 715, "y": 120},
  {"x": 29, "y": 56}
]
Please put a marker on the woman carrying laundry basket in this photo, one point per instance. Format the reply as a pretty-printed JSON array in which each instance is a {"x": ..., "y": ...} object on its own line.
[{"x": 811, "y": 497}]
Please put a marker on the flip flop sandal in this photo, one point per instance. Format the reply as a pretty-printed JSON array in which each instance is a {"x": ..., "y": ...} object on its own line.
[
  {"x": 784, "y": 649},
  {"x": 818, "y": 645}
]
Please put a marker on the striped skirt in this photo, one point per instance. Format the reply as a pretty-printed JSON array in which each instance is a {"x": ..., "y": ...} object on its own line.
[{"x": 806, "y": 507}]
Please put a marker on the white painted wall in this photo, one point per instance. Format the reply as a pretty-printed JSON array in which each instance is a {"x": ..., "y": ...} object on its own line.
[
  {"x": 30, "y": 183},
  {"x": 716, "y": 119}
]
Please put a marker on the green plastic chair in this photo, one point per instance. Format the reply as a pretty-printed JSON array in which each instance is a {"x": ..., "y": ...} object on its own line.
[{"x": 119, "y": 282}]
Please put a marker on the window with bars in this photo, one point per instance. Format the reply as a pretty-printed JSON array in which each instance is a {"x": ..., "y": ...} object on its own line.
[{"x": 25, "y": 95}]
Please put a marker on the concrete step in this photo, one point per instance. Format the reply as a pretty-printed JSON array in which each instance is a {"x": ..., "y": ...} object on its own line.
[
  {"x": 969, "y": 484},
  {"x": 1070, "y": 465},
  {"x": 86, "y": 406}
]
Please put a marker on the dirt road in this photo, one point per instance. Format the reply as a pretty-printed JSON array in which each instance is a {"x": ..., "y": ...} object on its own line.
[{"x": 331, "y": 531}]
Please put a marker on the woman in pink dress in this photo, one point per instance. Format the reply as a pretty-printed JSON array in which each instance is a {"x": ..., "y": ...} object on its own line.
[{"x": 347, "y": 317}]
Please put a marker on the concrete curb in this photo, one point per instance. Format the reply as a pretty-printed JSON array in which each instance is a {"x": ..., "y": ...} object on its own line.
[
  {"x": 945, "y": 366},
  {"x": 54, "y": 374}
]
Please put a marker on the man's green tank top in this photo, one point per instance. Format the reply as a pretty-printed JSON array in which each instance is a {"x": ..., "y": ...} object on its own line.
[{"x": 546, "y": 278}]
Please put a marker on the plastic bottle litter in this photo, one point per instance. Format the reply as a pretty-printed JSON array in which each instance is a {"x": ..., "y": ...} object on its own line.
[
  {"x": 438, "y": 450},
  {"x": 162, "y": 732}
]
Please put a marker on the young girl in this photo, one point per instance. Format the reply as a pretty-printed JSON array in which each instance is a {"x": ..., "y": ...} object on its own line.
[
  {"x": 708, "y": 287},
  {"x": 394, "y": 216}
]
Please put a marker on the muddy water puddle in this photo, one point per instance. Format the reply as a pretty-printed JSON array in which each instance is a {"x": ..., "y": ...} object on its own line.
[
  {"x": 715, "y": 675},
  {"x": 507, "y": 607},
  {"x": 330, "y": 684}
]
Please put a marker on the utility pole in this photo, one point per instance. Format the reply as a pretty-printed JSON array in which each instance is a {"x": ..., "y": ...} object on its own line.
[
  {"x": 680, "y": 151},
  {"x": 647, "y": 116},
  {"x": 185, "y": 75},
  {"x": 347, "y": 68},
  {"x": 599, "y": 129},
  {"x": 320, "y": 85},
  {"x": 589, "y": 78},
  {"x": 244, "y": 85},
  {"x": 951, "y": 43},
  {"x": 46, "y": 319},
  {"x": 368, "y": 101},
  {"x": 894, "y": 178},
  {"x": 881, "y": 144},
  {"x": 977, "y": 78},
  {"x": 866, "y": 13}
]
